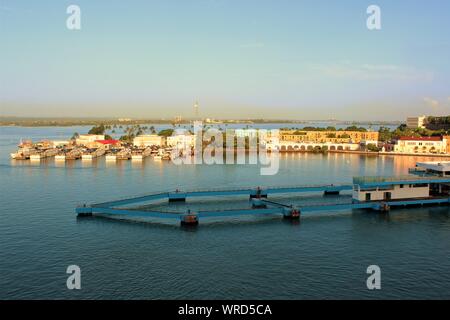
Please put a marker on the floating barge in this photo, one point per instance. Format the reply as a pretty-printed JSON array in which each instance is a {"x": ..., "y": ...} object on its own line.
[{"x": 373, "y": 193}]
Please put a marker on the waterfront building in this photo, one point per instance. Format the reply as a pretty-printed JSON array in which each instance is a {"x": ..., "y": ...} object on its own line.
[
  {"x": 181, "y": 141},
  {"x": 439, "y": 168},
  {"x": 416, "y": 122},
  {"x": 287, "y": 146},
  {"x": 335, "y": 137},
  {"x": 421, "y": 145},
  {"x": 389, "y": 188},
  {"x": 148, "y": 140},
  {"x": 105, "y": 144},
  {"x": 60, "y": 143},
  {"x": 86, "y": 139},
  {"x": 428, "y": 181}
]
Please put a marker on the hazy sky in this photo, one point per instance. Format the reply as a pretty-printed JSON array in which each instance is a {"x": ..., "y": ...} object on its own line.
[{"x": 239, "y": 58}]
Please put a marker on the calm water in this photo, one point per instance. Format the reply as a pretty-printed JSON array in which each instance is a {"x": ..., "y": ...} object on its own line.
[{"x": 325, "y": 256}]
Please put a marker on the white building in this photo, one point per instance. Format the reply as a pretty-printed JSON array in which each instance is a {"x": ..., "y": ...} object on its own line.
[
  {"x": 60, "y": 143},
  {"x": 416, "y": 122},
  {"x": 391, "y": 192},
  {"x": 148, "y": 140},
  {"x": 182, "y": 141},
  {"x": 439, "y": 168},
  {"x": 85, "y": 139},
  {"x": 421, "y": 145}
]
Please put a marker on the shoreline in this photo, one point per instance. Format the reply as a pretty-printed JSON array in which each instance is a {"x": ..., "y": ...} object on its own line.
[{"x": 376, "y": 154}]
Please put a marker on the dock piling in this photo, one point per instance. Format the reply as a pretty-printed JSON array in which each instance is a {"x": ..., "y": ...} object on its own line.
[{"x": 189, "y": 219}]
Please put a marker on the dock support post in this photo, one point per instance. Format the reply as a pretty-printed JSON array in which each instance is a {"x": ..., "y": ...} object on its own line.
[
  {"x": 258, "y": 194},
  {"x": 177, "y": 196},
  {"x": 189, "y": 219},
  {"x": 258, "y": 204},
  {"x": 384, "y": 207},
  {"x": 291, "y": 213},
  {"x": 84, "y": 211}
]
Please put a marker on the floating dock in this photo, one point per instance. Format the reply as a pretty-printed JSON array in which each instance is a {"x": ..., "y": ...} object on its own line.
[{"x": 261, "y": 205}]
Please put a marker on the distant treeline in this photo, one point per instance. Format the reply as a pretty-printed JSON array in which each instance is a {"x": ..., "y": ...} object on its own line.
[{"x": 70, "y": 122}]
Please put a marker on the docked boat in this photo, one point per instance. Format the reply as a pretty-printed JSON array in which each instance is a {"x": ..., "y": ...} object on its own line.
[
  {"x": 91, "y": 154},
  {"x": 124, "y": 154},
  {"x": 60, "y": 157},
  {"x": 74, "y": 154},
  {"x": 42, "y": 154},
  {"x": 111, "y": 157},
  {"x": 21, "y": 154},
  {"x": 140, "y": 154}
]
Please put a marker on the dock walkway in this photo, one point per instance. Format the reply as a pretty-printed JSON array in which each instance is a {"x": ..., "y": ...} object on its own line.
[{"x": 258, "y": 197}]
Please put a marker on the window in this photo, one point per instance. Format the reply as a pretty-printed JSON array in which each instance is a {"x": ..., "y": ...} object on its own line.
[{"x": 368, "y": 196}]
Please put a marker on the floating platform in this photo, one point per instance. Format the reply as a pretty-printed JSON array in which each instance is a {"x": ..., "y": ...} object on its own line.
[{"x": 258, "y": 197}]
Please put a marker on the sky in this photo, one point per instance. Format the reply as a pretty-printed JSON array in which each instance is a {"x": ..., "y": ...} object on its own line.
[{"x": 274, "y": 59}]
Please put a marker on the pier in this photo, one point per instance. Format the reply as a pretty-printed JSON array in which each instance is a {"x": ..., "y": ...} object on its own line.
[{"x": 372, "y": 193}]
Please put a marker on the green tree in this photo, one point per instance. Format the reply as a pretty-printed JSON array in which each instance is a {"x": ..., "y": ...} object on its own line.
[
  {"x": 166, "y": 132},
  {"x": 97, "y": 130}
]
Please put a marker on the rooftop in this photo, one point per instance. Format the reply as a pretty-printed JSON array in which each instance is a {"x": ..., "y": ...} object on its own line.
[
  {"x": 396, "y": 180},
  {"x": 440, "y": 166}
]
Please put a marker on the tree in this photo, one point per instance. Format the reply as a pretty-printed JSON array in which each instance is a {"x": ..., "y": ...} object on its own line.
[
  {"x": 97, "y": 130},
  {"x": 385, "y": 134},
  {"x": 166, "y": 132},
  {"x": 373, "y": 148}
]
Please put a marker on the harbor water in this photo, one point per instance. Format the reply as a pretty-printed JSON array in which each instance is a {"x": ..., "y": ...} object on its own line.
[{"x": 323, "y": 257}]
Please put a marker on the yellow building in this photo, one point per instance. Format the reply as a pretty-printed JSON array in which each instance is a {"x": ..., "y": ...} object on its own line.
[
  {"x": 148, "y": 140},
  {"x": 297, "y": 136}
]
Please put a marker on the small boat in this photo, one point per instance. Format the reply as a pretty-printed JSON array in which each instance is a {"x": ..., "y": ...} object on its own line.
[{"x": 124, "y": 154}]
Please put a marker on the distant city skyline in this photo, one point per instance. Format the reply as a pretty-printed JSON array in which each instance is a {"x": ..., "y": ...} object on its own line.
[{"x": 238, "y": 59}]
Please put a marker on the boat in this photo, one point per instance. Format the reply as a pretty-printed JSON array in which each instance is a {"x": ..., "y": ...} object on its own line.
[
  {"x": 124, "y": 154},
  {"x": 21, "y": 155},
  {"x": 140, "y": 154},
  {"x": 91, "y": 154},
  {"x": 74, "y": 154}
]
